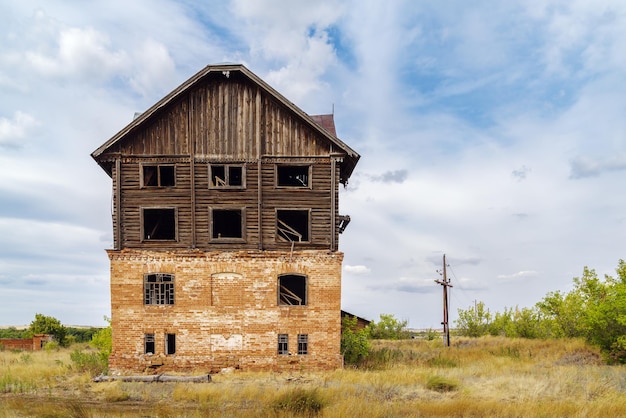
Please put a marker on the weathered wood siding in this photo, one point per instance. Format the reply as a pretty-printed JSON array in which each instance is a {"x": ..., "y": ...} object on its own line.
[
  {"x": 230, "y": 120},
  {"x": 220, "y": 121}
]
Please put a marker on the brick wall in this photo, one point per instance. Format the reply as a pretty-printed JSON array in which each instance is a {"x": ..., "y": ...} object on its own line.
[
  {"x": 29, "y": 344},
  {"x": 226, "y": 311}
]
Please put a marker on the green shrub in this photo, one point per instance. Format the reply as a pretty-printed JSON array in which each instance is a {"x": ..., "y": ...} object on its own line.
[
  {"x": 94, "y": 363},
  {"x": 299, "y": 401},
  {"x": 355, "y": 343},
  {"x": 441, "y": 384}
]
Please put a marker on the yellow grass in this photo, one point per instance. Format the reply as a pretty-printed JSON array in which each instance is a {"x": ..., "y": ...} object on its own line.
[{"x": 481, "y": 377}]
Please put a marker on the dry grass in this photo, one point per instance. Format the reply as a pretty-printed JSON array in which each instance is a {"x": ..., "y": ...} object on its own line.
[{"x": 482, "y": 377}]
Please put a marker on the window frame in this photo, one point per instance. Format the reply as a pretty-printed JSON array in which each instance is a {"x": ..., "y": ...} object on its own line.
[
  {"x": 170, "y": 344},
  {"x": 284, "y": 293},
  {"x": 283, "y": 345},
  {"x": 303, "y": 344},
  {"x": 227, "y": 167},
  {"x": 143, "y": 231},
  {"x": 281, "y": 238},
  {"x": 242, "y": 212},
  {"x": 166, "y": 289},
  {"x": 149, "y": 338},
  {"x": 277, "y": 176},
  {"x": 158, "y": 166}
]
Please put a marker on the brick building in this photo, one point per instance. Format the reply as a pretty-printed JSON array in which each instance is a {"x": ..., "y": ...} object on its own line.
[{"x": 226, "y": 228}]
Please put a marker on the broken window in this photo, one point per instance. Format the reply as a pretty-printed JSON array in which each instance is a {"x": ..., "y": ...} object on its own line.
[
  {"x": 226, "y": 176},
  {"x": 292, "y": 289},
  {"x": 158, "y": 289},
  {"x": 170, "y": 343},
  {"x": 303, "y": 343},
  {"x": 158, "y": 175},
  {"x": 159, "y": 224},
  {"x": 292, "y": 225},
  {"x": 293, "y": 175},
  {"x": 148, "y": 343},
  {"x": 283, "y": 344},
  {"x": 227, "y": 223}
]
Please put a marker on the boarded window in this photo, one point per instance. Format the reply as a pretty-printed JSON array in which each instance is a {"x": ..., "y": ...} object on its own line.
[
  {"x": 303, "y": 344},
  {"x": 293, "y": 175},
  {"x": 283, "y": 344},
  {"x": 159, "y": 224},
  {"x": 158, "y": 289},
  {"x": 170, "y": 343},
  {"x": 292, "y": 289},
  {"x": 292, "y": 225},
  {"x": 148, "y": 343},
  {"x": 227, "y": 176},
  {"x": 158, "y": 175},
  {"x": 227, "y": 224}
]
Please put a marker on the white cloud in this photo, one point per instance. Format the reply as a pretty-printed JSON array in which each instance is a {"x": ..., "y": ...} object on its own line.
[
  {"x": 13, "y": 130},
  {"x": 359, "y": 269},
  {"x": 519, "y": 275}
]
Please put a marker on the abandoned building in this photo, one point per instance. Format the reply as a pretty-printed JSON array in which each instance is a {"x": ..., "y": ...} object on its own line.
[{"x": 225, "y": 230}]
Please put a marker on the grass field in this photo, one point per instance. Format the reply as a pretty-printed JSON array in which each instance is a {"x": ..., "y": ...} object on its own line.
[{"x": 495, "y": 377}]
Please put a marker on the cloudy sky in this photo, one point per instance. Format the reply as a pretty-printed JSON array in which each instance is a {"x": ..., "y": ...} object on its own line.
[{"x": 493, "y": 132}]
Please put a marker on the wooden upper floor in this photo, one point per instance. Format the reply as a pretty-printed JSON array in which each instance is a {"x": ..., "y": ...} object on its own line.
[{"x": 226, "y": 162}]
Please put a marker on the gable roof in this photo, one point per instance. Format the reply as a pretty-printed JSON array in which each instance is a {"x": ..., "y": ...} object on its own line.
[{"x": 322, "y": 124}]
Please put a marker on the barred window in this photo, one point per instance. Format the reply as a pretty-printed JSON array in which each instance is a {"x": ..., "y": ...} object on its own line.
[
  {"x": 283, "y": 344},
  {"x": 303, "y": 343},
  {"x": 159, "y": 289}
]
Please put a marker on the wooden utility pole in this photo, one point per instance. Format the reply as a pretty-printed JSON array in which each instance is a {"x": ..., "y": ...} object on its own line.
[{"x": 446, "y": 284}]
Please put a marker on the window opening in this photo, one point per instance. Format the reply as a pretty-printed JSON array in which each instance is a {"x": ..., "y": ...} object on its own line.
[
  {"x": 159, "y": 224},
  {"x": 158, "y": 289},
  {"x": 292, "y": 290},
  {"x": 148, "y": 343},
  {"x": 292, "y": 175},
  {"x": 227, "y": 223},
  {"x": 283, "y": 344},
  {"x": 170, "y": 343},
  {"x": 158, "y": 176},
  {"x": 303, "y": 344},
  {"x": 292, "y": 225},
  {"x": 226, "y": 176}
]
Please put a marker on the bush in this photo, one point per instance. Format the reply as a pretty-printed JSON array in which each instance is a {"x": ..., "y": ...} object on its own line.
[
  {"x": 388, "y": 328},
  {"x": 307, "y": 402},
  {"x": 355, "y": 343},
  {"x": 441, "y": 384},
  {"x": 94, "y": 363}
]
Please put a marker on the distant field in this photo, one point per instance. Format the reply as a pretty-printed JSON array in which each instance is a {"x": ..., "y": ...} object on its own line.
[{"x": 473, "y": 378}]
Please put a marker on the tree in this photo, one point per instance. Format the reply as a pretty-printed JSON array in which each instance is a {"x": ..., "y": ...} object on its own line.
[
  {"x": 388, "y": 328},
  {"x": 355, "y": 343},
  {"x": 49, "y": 325},
  {"x": 474, "y": 321}
]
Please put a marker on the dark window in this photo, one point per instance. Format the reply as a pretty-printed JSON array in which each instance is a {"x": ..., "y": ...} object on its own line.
[
  {"x": 148, "y": 343},
  {"x": 226, "y": 176},
  {"x": 292, "y": 289},
  {"x": 158, "y": 176},
  {"x": 293, "y": 175},
  {"x": 159, "y": 224},
  {"x": 170, "y": 343},
  {"x": 303, "y": 344},
  {"x": 292, "y": 225},
  {"x": 158, "y": 289},
  {"x": 283, "y": 344},
  {"x": 227, "y": 223}
]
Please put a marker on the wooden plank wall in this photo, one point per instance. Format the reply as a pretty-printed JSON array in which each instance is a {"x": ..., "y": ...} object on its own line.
[{"x": 225, "y": 122}]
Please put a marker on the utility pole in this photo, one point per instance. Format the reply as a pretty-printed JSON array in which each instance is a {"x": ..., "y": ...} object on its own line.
[{"x": 446, "y": 284}]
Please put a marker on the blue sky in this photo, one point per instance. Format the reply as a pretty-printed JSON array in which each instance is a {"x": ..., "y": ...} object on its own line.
[{"x": 492, "y": 132}]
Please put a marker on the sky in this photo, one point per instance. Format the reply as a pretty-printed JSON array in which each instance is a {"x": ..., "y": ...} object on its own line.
[{"x": 492, "y": 132}]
